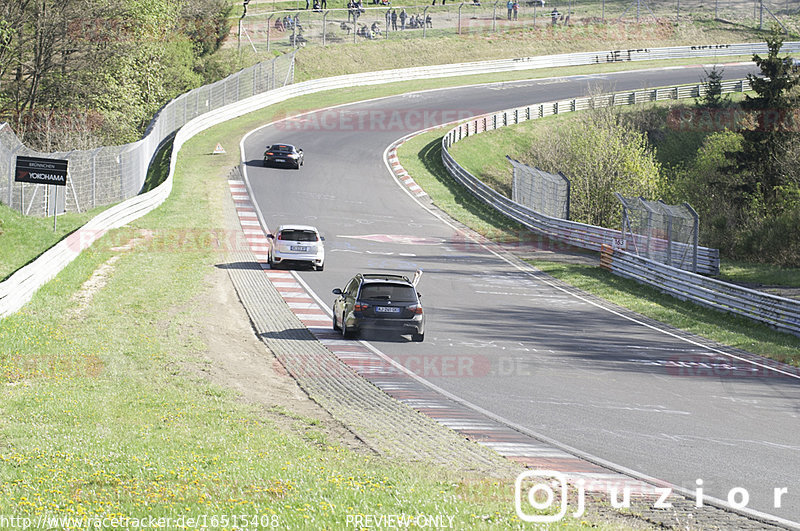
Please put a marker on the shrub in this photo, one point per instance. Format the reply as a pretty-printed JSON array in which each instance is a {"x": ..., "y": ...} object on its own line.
[{"x": 600, "y": 154}]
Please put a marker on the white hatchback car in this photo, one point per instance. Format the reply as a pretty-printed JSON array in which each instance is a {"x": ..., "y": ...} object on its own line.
[{"x": 296, "y": 245}]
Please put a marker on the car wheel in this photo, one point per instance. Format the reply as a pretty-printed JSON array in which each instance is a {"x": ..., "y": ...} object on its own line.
[
  {"x": 346, "y": 332},
  {"x": 297, "y": 165},
  {"x": 335, "y": 326},
  {"x": 320, "y": 267},
  {"x": 418, "y": 338}
]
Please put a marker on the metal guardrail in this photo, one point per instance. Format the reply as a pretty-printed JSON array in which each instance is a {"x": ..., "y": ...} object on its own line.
[
  {"x": 20, "y": 287},
  {"x": 573, "y": 233},
  {"x": 777, "y": 312}
]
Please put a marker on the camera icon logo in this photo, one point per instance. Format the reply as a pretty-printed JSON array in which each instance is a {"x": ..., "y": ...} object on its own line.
[{"x": 541, "y": 495}]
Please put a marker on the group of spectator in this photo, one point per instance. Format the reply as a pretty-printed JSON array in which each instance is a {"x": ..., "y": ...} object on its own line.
[
  {"x": 354, "y": 10},
  {"x": 513, "y": 9},
  {"x": 287, "y": 23},
  {"x": 407, "y": 21}
]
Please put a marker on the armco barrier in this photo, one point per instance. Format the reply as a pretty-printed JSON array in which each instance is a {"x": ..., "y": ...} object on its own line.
[
  {"x": 777, "y": 312},
  {"x": 20, "y": 287},
  {"x": 578, "y": 234}
]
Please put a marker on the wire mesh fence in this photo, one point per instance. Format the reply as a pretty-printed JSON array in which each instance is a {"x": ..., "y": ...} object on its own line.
[
  {"x": 318, "y": 25},
  {"x": 110, "y": 174},
  {"x": 542, "y": 192},
  {"x": 664, "y": 233}
]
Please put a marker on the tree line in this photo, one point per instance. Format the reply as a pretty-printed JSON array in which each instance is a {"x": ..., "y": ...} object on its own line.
[{"x": 77, "y": 74}]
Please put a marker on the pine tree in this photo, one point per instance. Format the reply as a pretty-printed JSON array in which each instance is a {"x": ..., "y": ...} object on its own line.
[{"x": 769, "y": 127}]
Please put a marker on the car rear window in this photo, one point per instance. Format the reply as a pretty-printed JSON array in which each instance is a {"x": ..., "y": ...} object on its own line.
[
  {"x": 393, "y": 292},
  {"x": 298, "y": 235},
  {"x": 278, "y": 147}
]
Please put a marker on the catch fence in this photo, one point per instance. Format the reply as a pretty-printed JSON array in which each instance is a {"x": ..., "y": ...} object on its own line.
[
  {"x": 267, "y": 31},
  {"x": 543, "y": 192},
  {"x": 664, "y": 233},
  {"x": 109, "y": 174}
]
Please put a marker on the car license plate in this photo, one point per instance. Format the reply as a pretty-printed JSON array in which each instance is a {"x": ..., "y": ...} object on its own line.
[
  {"x": 280, "y": 160},
  {"x": 387, "y": 309},
  {"x": 298, "y": 248}
]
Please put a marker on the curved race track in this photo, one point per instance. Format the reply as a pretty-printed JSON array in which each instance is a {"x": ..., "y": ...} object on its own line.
[{"x": 528, "y": 351}]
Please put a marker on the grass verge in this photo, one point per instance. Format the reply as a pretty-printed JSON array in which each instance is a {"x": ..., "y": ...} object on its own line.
[
  {"x": 23, "y": 238},
  {"x": 421, "y": 157}
]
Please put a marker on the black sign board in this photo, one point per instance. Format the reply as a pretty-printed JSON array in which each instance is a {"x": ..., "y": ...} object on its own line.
[{"x": 41, "y": 171}]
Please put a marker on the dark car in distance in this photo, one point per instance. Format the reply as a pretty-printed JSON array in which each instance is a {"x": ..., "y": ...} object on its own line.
[
  {"x": 283, "y": 155},
  {"x": 379, "y": 302}
]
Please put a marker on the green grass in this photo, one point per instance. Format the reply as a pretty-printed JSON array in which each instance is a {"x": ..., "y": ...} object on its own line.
[
  {"x": 103, "y": 413},
  {"x": 421, "y": 157},
  {"x": 765, "y": 274},
  {"x": 724, "y": 328},
  {"x": 317, "y": 61},
  {"x": 23, "y": 238}
]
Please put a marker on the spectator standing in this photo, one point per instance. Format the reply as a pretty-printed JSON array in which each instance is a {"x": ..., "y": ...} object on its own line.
[
  {"x": 510, "y": 7},
  {"x": 428, "y": 21},
  {"x": 324, "y": 4},
  {"x": 306, "y": 5},
  {"x": 403, "y": 17},
  {"x": 554, "y": 16},
  {"x": 516, "y": 9},
  {"x": 394, "y": 19}
]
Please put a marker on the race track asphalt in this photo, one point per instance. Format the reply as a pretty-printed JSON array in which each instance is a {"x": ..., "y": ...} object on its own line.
[{"x": 510, "y": 340}]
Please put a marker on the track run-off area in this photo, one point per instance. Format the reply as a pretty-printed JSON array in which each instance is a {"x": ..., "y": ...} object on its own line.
[{"x": 506, "y": 342}]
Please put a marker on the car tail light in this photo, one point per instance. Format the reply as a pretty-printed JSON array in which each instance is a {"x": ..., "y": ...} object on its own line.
[
  {"x": 417, "y": 309},
  {"x": 360, "y": 307},
  {"x": 270, "y": 153}
]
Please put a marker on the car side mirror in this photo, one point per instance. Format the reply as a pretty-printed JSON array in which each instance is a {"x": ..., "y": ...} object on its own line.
[
  {"x": 337, "y": 291},
  {"x": 322, "y": 238},
  {"x": 419, "y": 295}
]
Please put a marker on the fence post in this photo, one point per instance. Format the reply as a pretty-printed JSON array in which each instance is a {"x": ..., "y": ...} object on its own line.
[
  {"x": 569, "y": 192},
  {"x": 494, "y": 16},
  {"x": 269, "y": 29},
  {"x": 459, "y": 17},
  {"x": 695, "y": 235},
  {"x": 669, "y": 234},
  {"x": 649, "y": 225},
  {"x": 325, "y": 22}
]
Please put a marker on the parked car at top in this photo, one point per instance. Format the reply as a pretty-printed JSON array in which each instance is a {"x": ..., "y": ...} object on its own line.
[
  {"x": 379, "y": 302},
  {"x": 293, "y": 245},
  {"x": 283, "y": 155}
]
